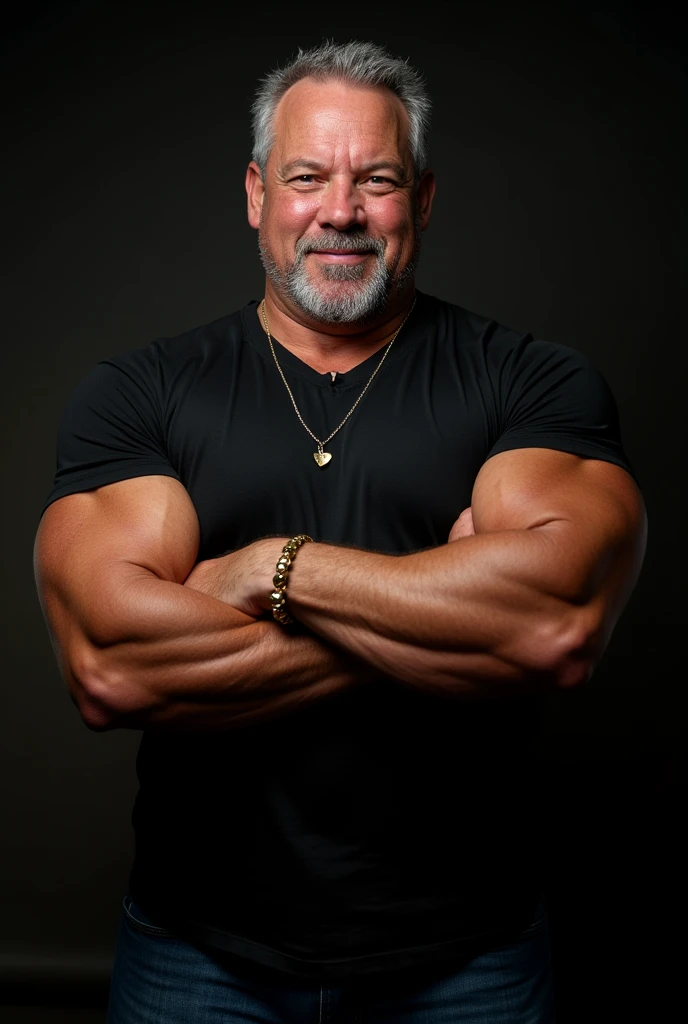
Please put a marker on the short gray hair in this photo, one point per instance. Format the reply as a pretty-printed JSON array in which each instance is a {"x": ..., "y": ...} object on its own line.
[{"x": 358, "y": 63}]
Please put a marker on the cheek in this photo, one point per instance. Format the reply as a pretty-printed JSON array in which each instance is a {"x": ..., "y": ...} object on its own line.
[
  {"x": 302, "y": 208},
  {"x": 395, "y": 226},
  {"x": 290, "y": 217},
  {"x": 390, "y": 216}
]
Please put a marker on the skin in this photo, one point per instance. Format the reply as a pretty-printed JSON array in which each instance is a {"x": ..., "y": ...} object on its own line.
[{"x": 522, "y": 597}]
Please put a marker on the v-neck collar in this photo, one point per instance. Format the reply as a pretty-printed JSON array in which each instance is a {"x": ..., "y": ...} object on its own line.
[{"x": 408, "y": 336}]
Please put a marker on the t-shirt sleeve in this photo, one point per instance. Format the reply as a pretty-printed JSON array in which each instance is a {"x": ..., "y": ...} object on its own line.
[
  {"x": 111, "y": 428},
  {"x": 553, "y": 396}
]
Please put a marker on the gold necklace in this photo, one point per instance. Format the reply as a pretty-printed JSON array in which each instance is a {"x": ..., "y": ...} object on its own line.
[{"x": 321, "y": 456}]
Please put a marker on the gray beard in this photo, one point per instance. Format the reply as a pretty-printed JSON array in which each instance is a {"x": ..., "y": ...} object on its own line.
[{"x": 358, "y": 305}]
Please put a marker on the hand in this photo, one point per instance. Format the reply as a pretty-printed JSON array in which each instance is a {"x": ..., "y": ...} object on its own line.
[
  {"x": 241, "y": 578},
  {"x": 463, "y": 527}
]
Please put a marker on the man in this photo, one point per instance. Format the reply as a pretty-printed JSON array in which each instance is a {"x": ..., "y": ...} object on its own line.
[{"x": 328, "y": 553}]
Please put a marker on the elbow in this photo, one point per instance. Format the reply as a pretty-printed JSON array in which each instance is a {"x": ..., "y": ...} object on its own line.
[
  {"x": 96, "y": 718},
  {"x": 574, "y": 670},
  {"x": 561, "y": 652},
  {"x": 102, "y": 700},
  {"x": 577, "y": 648},
  {"x": 89, "y": 686}
]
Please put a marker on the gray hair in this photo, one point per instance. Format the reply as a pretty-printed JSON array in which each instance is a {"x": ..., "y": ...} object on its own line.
[{"x": 358, "y": 63}]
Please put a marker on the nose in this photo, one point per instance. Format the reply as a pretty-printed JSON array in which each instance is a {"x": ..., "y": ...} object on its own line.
[{"x": 341, "y": 207}]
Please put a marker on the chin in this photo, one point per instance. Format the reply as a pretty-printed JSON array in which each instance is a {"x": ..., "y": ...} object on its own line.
[{"x": 354, "y": 295}]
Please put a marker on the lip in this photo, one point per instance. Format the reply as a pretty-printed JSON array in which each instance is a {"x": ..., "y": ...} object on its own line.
[{"x": 340, "y": 256}]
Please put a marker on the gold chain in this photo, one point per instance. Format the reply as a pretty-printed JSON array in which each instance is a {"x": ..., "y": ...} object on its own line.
[{"x": 322, "y": 457}]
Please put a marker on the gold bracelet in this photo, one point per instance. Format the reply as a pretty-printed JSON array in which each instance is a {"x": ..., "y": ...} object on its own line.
[{"x": 277, "y": 597}]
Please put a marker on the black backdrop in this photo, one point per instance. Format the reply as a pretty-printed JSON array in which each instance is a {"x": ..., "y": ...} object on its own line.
[{"x": 559, "y": 143}]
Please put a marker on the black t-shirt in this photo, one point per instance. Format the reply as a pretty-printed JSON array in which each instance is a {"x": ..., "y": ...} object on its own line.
[{"x": 381, "y": 828}]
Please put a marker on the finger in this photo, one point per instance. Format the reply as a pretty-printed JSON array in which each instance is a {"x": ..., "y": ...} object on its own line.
[{"x": 463, "y": 527}]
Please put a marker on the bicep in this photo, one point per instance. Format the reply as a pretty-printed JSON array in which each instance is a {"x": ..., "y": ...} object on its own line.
[
  {"x": 589, "y": 513},
  {"x": 90, "y": 543}
]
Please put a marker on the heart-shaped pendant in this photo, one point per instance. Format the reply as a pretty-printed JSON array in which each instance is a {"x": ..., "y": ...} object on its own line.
[{"x": 322, "y": 458}]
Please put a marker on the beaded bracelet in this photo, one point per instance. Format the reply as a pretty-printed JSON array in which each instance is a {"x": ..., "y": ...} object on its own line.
[{"x": 277, "y": 597}]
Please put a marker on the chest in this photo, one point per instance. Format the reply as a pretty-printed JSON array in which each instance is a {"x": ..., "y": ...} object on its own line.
[{"x": 402, "y": 469}]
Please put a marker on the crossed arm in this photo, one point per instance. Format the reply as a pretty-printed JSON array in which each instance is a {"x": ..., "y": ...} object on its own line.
[
  {"x": 147, "y": 638},
  {"x": 138, "y": 649},
  {"x": 525, "y": 600}
]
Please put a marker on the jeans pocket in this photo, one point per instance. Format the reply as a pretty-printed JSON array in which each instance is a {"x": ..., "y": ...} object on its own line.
[{"x": 135, "y": 917}]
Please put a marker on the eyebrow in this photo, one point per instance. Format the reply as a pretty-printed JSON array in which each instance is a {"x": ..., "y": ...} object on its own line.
[{"x": 377, "y": 165}]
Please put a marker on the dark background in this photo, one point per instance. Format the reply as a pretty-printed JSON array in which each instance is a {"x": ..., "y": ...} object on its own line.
[{"x": 559, "y": 143}]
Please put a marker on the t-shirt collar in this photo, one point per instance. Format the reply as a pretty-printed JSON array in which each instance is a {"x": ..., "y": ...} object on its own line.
[{"x": 408, "y": 335}]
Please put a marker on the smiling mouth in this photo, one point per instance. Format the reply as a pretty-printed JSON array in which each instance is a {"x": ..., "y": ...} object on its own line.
[{"x": 342, "y": 253}]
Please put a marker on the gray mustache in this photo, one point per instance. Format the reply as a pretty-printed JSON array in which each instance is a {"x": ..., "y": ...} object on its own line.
[{"x": 340, "y": 243}]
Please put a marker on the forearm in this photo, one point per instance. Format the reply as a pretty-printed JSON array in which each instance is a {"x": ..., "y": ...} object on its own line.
[
  {"x": 302, "y": 672},
  {"x": 175, "y": 658},
  {"x": 483, "y": 615}
]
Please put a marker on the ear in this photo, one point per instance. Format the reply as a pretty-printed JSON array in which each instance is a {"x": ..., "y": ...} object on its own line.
[
  {"x": 425, "y": 193},
  {"x": 255, "y": 191}
]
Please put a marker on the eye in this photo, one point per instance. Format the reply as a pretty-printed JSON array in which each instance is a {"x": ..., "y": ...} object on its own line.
[{"x": 379, "y": 181}]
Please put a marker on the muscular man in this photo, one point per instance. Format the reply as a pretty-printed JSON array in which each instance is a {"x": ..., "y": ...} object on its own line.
[{"x": 338, "y": 815}]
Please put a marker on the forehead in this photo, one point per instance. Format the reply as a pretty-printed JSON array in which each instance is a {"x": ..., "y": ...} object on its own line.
[{"x": 325, "y": 119}]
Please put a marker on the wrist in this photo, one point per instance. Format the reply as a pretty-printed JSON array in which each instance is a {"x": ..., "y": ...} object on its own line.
[
  {"x": 278, "y": 600},
  {"x": 267, "y": 551}
]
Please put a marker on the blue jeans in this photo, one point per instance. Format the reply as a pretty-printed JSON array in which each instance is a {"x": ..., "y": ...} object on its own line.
[{"x": 158, "y": 978}]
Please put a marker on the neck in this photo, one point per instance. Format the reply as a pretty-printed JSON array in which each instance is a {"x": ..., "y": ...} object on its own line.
[{"x": 336, "y": 347}]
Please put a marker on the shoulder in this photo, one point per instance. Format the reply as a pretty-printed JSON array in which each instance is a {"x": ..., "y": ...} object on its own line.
[
  {"x": 153, "y": 373},
  {"x": 503, "y": 347},
  {"x": 452, "y": 321},
  {"x": 142, "y": 384},
  {"x": 195, "y": 345},
  {"x": 487, "y": 340}
]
